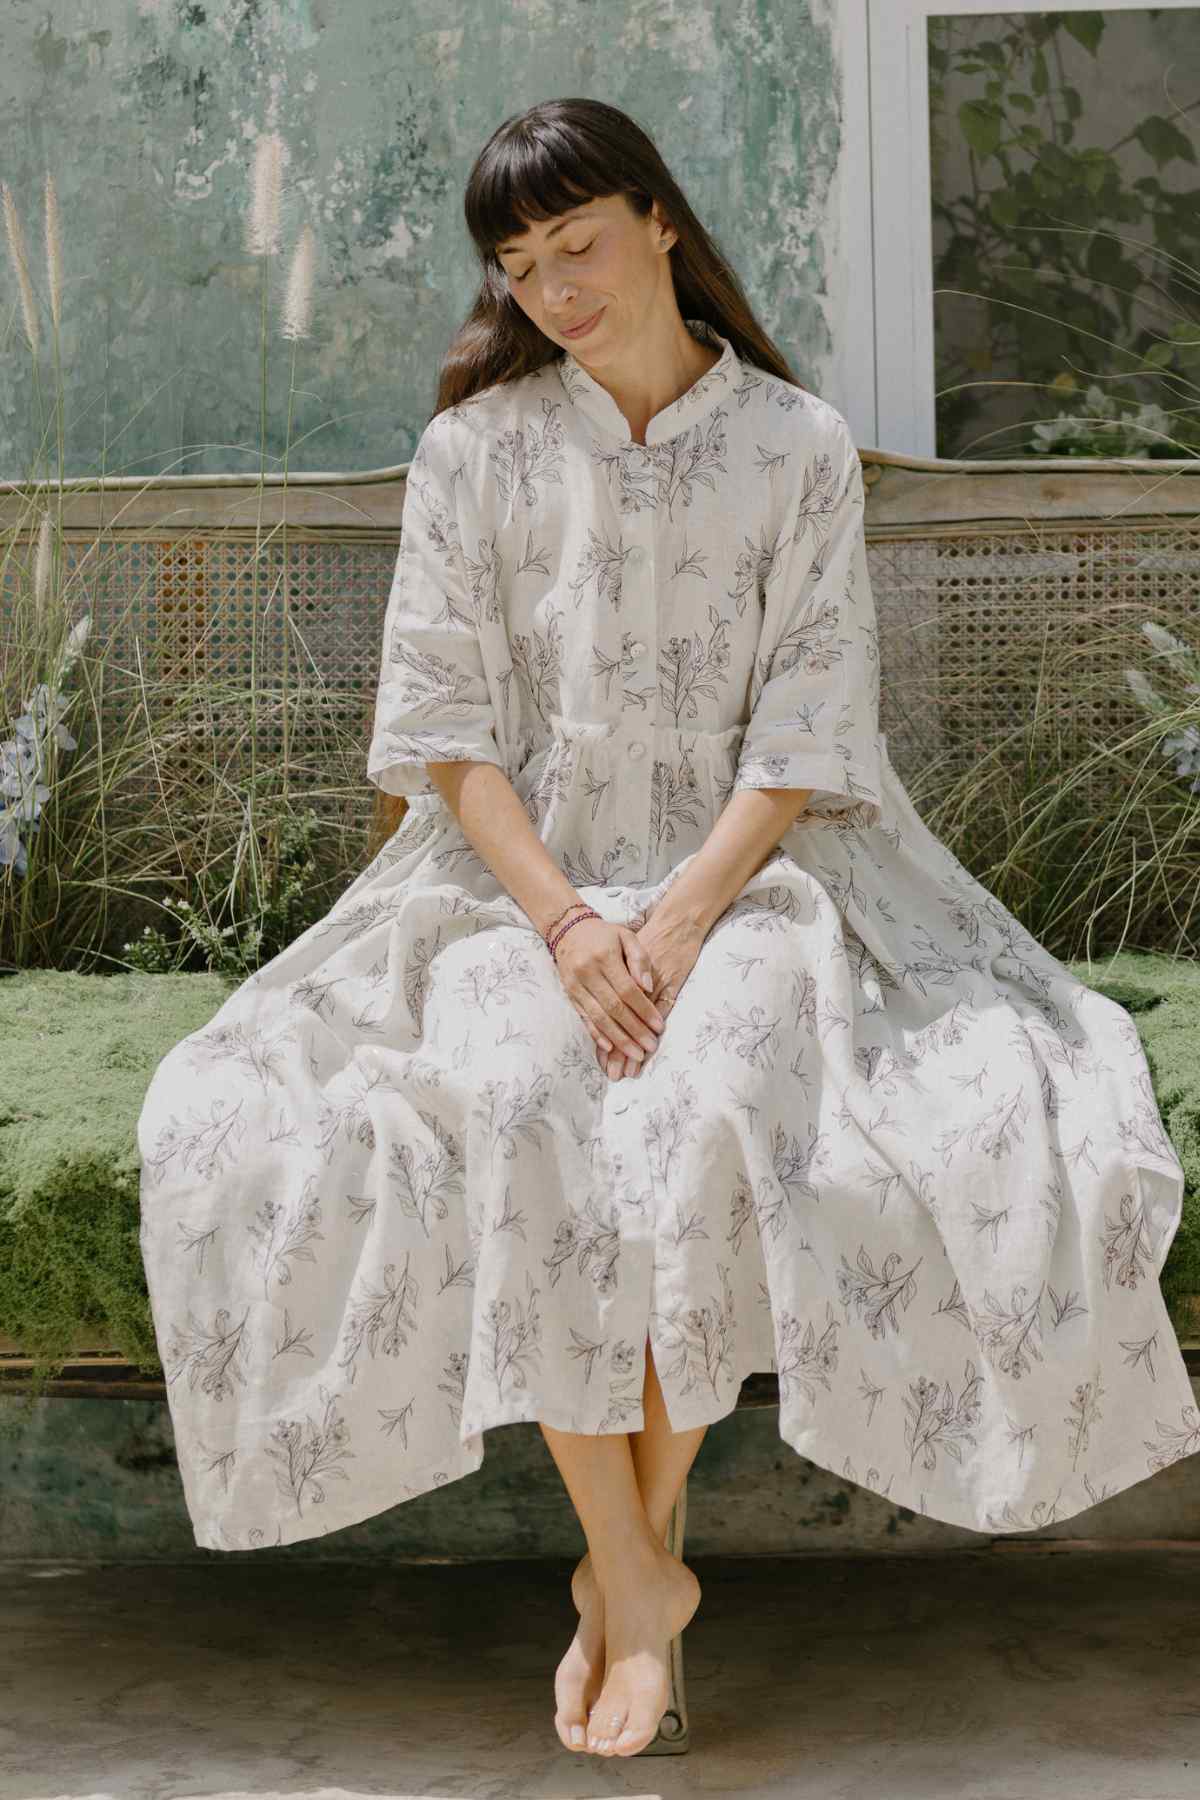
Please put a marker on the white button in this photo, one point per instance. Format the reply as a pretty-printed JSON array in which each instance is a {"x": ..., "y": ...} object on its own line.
[
  {"x": 637, "y": 749},
  {"x": 637, "y": 647},
  {"x": 636, "y": 557}
]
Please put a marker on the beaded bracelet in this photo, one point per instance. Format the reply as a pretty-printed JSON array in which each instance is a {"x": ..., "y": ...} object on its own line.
[{"x": 590, "y": 913}]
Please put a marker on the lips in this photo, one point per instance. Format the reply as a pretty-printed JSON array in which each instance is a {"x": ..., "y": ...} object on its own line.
[{"x": 574, "y": 330}]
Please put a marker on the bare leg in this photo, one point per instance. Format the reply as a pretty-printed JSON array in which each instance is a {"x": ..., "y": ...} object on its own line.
[{"x": 622, "y": 1484}]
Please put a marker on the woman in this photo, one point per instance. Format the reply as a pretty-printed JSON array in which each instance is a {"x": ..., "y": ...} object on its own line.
[{"x": 662, "y": 1043}]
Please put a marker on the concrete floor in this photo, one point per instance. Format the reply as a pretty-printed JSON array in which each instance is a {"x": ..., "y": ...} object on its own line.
[{"x": 1008, "y": 1673}]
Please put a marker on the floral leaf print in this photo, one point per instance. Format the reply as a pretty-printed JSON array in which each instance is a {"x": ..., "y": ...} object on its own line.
[
  {"x": 791, "y": 1161},
  {"x": 591, "y": 1237},
  {"x": 205, "y": 1146},
  {"x": 636, "y": 483},
  {"x": 191, "y": 1239},
  {"x": 674, "y": 796},
  {"x": 601, "y": 567},
  {"x": 752, "y": 571},
  {"x": 1145, "y": 1134},
  {"x": 940, "y": 1419},
  {"x": 996, "y": 1133},
  {"x": 510, "y": 1220},
  {"x": 426, "y": 1182},
  {"x": 751, "y": 1034},
  {"x": 1174, "y": 1442},
  {"x": 1085, "y": 1412},
  {"x": 871, "y": 1392},
  {"x": 818, "y": 503},
  {"x": 626, "y": 1382},
  {"x": 693, "y": 669},
  {"x": 457, "y": 1368},
  {"x": 806, "y": 1362},
  {"x": 1010, "y": 1333},
  {"x": 537, "y": 656},
  {"x": 703, "y": 1337},
  {"x": 283, "y": 1234},
  {"x": 511, "y": 1340},
  {"x": 585, "y": 1352},
  {"x": 989, "y": 1219},
  {"x": 380, "y": 1317},
  {"x": 308, "y": 1455},
  {"x": 668, "y": 1127},
  {"x": 398, "y": 1416},
  {"x": 1066, "y": 1308},
  {"x": 531, "y": 559},
  {"x": 528, "y": 454},
  {"x": 262, "y": 1054},
  {"x": 956, "y": 1307},
  {"x": 516, "y": 1109},
  {"x": 874, "y": 1293},
  {"x": 499, "y": 979},
  {"x": 456, "y": 1274},
  {"x": 211, "y": 1356},
  {"x": 1127, "y": 1246},
  {"x": 484, "y": 575},
  {"x": 1141, "y": 1351},
  {"x": 691, "y": 460},
  {"x": 296, "y": 1341}
]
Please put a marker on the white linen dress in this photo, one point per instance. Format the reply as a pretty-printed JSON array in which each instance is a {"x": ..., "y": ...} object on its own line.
[{"x": 887, "y": 1146}]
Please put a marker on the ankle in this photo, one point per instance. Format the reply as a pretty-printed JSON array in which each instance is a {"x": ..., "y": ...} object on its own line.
[{"x": 633, "y": 1558}]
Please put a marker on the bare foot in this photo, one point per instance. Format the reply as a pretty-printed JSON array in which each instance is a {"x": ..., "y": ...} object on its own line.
[
  {"x": 651, "y": 1601},
  {"x": 580, "y": 1674}
]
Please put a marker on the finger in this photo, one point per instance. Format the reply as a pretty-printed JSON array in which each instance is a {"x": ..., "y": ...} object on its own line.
[
  {"x": 602, "y": 1025},
  {"x": 641, "y": 964},
  {"x": 631, "y": 1033},
  {"x": 630, "y": 992}
]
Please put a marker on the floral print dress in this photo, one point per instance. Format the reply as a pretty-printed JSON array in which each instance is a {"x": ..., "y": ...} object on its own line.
[{"x": 887, "y": 1145}]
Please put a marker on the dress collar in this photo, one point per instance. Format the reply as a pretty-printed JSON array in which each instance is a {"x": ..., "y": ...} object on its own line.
[{"x": 598, "y": 404}]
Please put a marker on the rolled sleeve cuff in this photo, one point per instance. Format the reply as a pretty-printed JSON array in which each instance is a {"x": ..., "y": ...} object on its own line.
[
  {"x": 845, "y": 792},
  {"x": 397, "y": 758}
]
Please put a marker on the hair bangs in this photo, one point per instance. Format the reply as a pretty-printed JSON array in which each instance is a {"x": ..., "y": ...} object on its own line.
[{"x": 531, "y": 176}]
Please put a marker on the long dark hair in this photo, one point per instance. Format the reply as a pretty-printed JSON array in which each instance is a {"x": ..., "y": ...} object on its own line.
[{"x": 539, "y": 163}]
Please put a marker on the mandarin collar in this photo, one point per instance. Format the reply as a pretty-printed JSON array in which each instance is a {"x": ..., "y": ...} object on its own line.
[{"x": 595, "y": 401}]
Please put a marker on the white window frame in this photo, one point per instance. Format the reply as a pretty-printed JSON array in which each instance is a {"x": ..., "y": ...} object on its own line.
[{"x": 887, "y": 166}]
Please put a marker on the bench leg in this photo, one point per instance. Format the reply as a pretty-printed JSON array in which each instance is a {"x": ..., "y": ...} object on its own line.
[{"x": 671, "y": 1738}]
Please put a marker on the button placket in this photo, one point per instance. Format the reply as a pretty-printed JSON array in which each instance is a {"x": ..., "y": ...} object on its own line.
[{"x": 639, "y": 563}]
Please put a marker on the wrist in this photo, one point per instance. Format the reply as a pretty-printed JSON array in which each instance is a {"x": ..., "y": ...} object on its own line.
[
  {"x": 548, "y": 921},
  {"x": 691, "y": 914}
]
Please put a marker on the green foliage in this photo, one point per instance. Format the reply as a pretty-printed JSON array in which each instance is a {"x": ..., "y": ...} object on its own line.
[
  {"x": 288, "y": 908},
  {"x": 1055, "y": 236}
]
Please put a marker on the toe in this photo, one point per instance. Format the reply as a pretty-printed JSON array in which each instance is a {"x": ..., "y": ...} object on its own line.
[
  {"x": 572, "y": 1730},
  {"x": 604, "y": 1728},
  {"x": 635, "y": 1735}
]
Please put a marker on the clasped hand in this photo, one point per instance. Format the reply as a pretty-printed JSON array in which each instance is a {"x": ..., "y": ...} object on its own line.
[{"x": 624, "y": 983}]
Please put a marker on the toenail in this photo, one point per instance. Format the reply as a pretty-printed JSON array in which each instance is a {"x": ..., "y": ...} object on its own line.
[{"x": 577, "y": 1734}]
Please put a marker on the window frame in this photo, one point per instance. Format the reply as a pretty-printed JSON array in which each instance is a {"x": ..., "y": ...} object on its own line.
[{"x": 894, "y": 389}]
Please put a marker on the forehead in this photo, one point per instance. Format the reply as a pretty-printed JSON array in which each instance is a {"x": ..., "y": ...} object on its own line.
[{"x": 550, "y": 227}]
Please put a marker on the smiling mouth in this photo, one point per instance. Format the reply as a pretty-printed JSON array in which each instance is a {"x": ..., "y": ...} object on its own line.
[{"x": 570, "y": 330}]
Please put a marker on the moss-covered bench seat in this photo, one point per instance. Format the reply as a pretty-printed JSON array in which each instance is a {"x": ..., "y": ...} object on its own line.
[{"x": 76, "y": 1056}]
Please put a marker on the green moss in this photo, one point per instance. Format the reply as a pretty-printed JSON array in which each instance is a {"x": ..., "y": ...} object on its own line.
[{"x": 76, "y": 1056}]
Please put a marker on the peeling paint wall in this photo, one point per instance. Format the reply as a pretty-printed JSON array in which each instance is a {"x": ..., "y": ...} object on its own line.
[{"x": 146, "y": 112}]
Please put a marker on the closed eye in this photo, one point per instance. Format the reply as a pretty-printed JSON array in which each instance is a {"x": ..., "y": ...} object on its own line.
[{"x": 582, "y": 252}]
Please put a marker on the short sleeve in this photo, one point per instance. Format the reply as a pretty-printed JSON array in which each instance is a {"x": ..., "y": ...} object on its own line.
[
  {"x": 434, "y": 702},
  {"x": 814, "y": 719}
]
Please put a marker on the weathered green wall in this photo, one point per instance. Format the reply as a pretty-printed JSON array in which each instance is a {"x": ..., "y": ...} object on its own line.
[{"x": 146, "y": 113}]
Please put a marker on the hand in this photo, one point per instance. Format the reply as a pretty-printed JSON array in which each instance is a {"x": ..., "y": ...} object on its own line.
[
  {"x": 607, "y": 973},
  {"x": 673, "y": 948}
]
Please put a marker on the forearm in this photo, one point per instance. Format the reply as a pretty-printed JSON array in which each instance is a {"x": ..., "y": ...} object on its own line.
[
  {"x": 744, "y": 835},
  {"x": 495, "y": 823}
]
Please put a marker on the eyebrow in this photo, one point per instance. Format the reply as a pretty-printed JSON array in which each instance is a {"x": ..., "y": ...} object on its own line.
[{"x": 501, "y": 249}]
